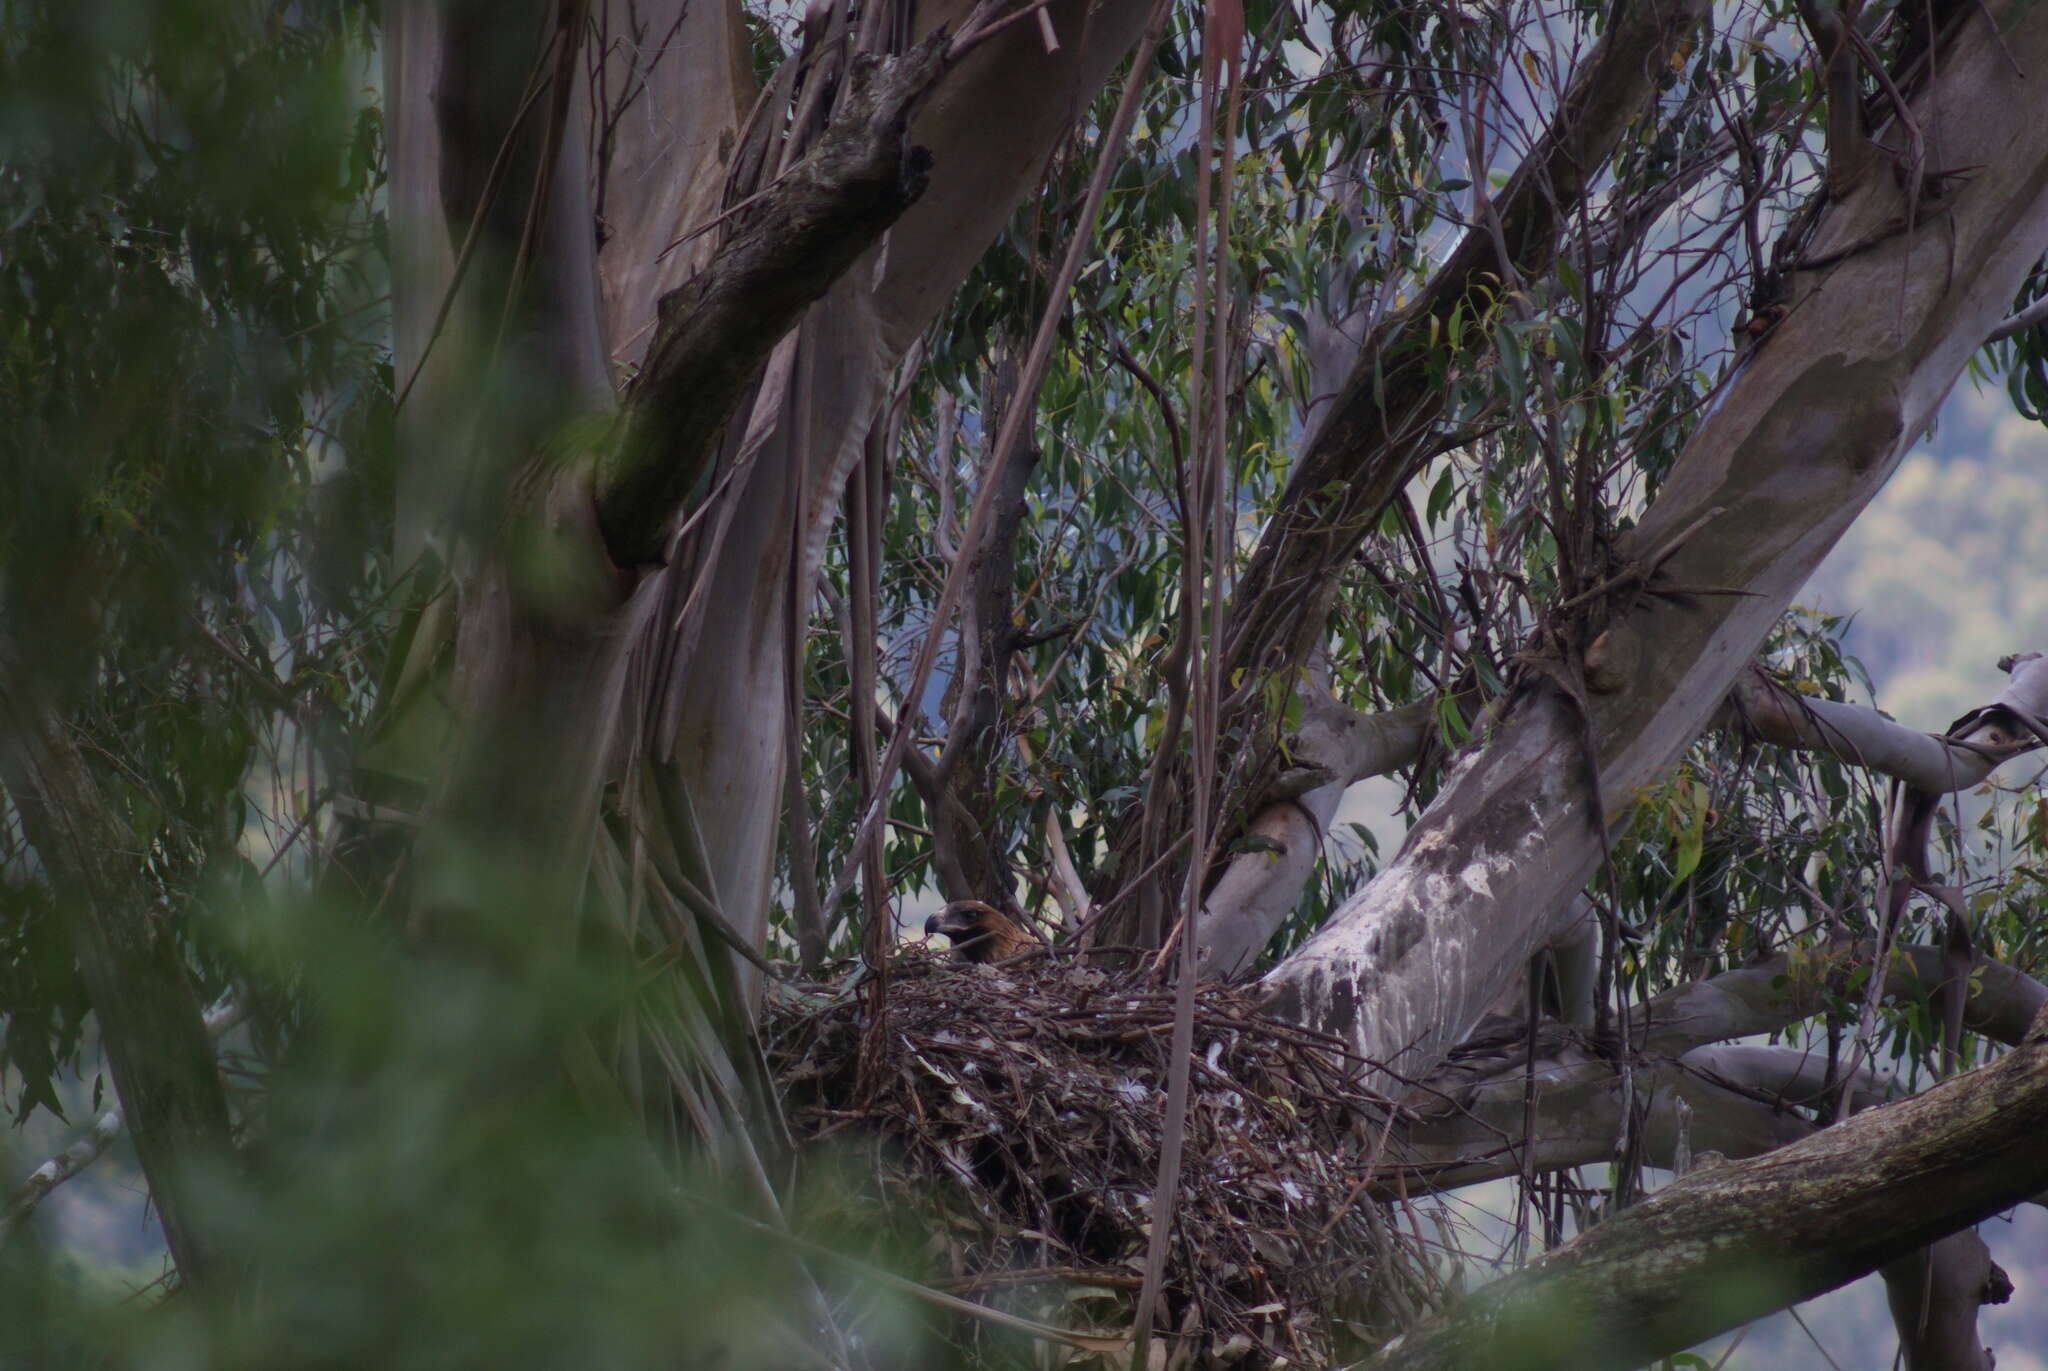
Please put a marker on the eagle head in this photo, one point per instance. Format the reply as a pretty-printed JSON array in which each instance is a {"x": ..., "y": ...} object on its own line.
[{"x": 980, "y": 932}]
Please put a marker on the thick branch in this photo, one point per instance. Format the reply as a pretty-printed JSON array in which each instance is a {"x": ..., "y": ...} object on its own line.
[
  {"x": 1791, "y": 986},
  {"x": 1727, "y": 1244},
  {"x": 1385, "y": 420},
  {"x": 1470, "y": 1119},
  {"x": 1791, "y": 1076},
  {"x": 1863, "y": 737},
  {"x": 1465, "y": 1131},
  {"x": 715, "y": 331},
  {"x": 1259, "y": 887}
]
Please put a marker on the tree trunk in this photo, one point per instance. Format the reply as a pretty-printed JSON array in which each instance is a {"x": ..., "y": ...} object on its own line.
[
  {"x": 1809, "y": 428},
  {"x": 718, "y": 720}
]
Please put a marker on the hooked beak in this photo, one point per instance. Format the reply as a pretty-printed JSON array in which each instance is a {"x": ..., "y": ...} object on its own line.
[{"x": 931, "y": 925}]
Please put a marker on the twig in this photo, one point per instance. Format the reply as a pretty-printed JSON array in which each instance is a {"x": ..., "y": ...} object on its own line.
[
  {"x": 1022, "y": 407},
  {"x": 2030, "y": 317},
  {"x": 88, "y": 1147}
]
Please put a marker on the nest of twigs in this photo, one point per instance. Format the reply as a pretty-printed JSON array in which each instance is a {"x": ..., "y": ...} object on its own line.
[{"x": 1011, "y": 1120}]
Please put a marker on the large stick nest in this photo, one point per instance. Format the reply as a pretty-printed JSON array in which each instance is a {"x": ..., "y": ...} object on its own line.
[{"x": 1011, "y": 1118}]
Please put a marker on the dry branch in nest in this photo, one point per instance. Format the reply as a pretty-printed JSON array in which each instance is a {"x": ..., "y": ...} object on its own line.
[{"x": 1013, "y": 1130}]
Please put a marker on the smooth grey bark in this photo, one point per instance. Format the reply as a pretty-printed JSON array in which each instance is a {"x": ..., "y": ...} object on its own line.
[
  {"x": 1790, "y": 986},
  {"x": 488, "y": 169},
  {"x": 1934, "y": 1296},
  {"x": 675, "y": 79},
  {"x": 1258, "y": 889},
  {"x": 428, "y": 352},
  {"x": 1725, "y": 1244},
  {"x": 1862, "y": 737},
  {"x": 1787, "y": 1076},
  {"x": 1465, "y": 1129},
  {"x": 1808, "y": 429}
]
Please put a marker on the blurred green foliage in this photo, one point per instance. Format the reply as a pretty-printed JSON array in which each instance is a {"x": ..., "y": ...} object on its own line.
[
  {"x": 423, "y": 1184},
  {"x": 195, "y": 548},
  {"x": 197, "y": 399}
]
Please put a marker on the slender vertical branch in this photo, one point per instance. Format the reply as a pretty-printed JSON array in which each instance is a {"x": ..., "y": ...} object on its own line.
[
  {"x": 152, "y": 1028},
  {"x": 1031, "y": 377}
]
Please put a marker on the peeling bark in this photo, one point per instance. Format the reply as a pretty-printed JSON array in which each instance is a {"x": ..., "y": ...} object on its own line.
[
  {"x": 989, "y": 129},
  {"x": 715, "y": 331}
]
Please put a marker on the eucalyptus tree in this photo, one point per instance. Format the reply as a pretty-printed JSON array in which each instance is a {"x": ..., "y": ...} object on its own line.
[{"x": 1044, "y": 455}]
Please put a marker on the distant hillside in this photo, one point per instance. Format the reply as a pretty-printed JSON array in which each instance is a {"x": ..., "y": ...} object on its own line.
[{"x": 1948, "y": 570}]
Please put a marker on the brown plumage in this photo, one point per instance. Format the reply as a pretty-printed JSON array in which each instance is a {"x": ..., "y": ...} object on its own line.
[{"x": 980, "y": 932}]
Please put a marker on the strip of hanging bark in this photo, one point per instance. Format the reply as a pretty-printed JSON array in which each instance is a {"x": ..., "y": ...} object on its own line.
[
  {"x": 716, "y": 329},
  {"x": 1730, "y": 1243}
]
